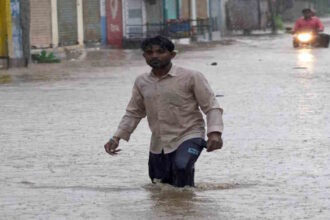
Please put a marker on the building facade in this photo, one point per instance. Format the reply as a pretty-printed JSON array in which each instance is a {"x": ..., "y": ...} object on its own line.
[{"x": 63, "y": 23}]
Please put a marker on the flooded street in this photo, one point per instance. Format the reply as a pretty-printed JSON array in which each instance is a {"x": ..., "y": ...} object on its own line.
[{"x": 56, "y": 118}]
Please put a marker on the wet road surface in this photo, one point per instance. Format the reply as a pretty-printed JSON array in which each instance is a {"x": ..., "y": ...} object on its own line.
[{"x": 56, "y": 118}]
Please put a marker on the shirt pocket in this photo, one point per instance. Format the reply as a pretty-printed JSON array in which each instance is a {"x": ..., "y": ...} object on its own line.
[{"x": 178, "y": 97}]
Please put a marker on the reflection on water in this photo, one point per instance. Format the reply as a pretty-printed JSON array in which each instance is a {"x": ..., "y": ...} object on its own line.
[
  {"x": 192, "y": 203},
  {"x": 305, "y": 55},
  {"x": 307, "y": 97},
  {"x": 169, "y": 201},
  {"x": 306, "y": 62},
  {"x": 306, "y": 58}
]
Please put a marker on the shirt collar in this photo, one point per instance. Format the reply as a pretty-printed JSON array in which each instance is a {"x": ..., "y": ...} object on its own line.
[{"x": 172, "y": 72}]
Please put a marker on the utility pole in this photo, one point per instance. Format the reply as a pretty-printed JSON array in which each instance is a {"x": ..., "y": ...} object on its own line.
[
  {"x": 25, "y": 26},
  {"x": 193, "y": 18},
  {"x": 272, "y": 14},
  {"x": 209, "y": 6}
]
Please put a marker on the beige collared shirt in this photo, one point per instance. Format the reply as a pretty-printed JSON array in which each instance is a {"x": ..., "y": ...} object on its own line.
[{"x": 172, "y": 105}]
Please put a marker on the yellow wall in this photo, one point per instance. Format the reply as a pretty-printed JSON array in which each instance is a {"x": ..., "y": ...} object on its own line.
[
  {"x": 5, "y": 27},
  {"x": 3, "y": 30}
]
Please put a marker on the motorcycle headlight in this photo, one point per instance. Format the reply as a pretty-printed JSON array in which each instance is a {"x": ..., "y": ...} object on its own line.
[{"x": 305, "y": 37}]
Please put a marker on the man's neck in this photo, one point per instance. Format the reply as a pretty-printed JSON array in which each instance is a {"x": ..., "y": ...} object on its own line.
[{"x": 162, "y": 72}]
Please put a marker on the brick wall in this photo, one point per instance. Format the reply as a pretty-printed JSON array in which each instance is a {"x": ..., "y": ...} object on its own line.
[{"x": 41, "y": 28}]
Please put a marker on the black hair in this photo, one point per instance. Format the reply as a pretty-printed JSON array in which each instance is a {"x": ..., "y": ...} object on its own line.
[
  {"x": 161, "y": 41},
  {"x": 306, "y": 10}
]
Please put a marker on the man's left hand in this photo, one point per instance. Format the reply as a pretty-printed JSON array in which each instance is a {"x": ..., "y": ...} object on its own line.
[{"x": 214, "y": 141}]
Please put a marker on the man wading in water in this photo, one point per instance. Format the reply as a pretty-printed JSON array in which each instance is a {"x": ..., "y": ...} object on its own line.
[{"x": 170, "y": 97}]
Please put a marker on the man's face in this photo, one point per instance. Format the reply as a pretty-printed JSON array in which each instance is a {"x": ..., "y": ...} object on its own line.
[
  {"x": 157, "y": 57},
  {"x": 308, "y": 14}
]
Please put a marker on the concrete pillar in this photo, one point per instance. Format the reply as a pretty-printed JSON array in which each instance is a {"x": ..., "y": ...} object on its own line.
[
  {"x": 224, "y": 30},
  {"x": 193, "y": 12},
  {"x": 144, "y": 19},
  {"x": 125, "y": 16},
  {"x": 193, "y": 17},
  {"x": 80, "y": 22},
  {"x": 209, "y": 15},
  {"x": 55, "y": 37}
]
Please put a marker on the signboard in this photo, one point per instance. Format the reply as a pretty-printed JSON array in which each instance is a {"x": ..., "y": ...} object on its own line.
[{"x": 114, "y": 10}]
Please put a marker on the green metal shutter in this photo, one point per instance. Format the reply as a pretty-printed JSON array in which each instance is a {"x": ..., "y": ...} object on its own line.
[
  {"x": 41, "y": 25},
  {"x": 67, "y": 22},
  {"x": 92, "y": 21}
]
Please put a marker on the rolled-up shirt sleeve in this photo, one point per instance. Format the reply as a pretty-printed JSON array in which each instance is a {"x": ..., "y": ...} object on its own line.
[
  {"x": 208, "y": 103},
  {"x": 135, "y": 111},
  {"x": 214, "y": 121}
]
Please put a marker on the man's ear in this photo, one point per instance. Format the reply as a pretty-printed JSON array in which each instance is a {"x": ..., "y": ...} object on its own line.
[
  {"x": 144, "y": 54},
  {"x": 173, "y": 53}
]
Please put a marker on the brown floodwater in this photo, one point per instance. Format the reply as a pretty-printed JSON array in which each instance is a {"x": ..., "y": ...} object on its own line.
[{"x": 55, "y": 119}]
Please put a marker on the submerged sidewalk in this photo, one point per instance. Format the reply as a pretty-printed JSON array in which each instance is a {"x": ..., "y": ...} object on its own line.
[{"x": 75, "y": 59}]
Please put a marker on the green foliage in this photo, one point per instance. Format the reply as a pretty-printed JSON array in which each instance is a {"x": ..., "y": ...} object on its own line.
[
  {"x": 44, "y": 57},
  {"x": 278, "y": 22},
  {"x": 5, "y": 79}
]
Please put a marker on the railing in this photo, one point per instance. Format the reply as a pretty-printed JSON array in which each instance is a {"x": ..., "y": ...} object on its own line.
[{"x": 173, "y": 28}]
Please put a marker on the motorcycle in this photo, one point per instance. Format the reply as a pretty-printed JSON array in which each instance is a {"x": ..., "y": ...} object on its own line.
[
  {"x": 305, "y": 39},
  {"x": 310, "y": 39}
]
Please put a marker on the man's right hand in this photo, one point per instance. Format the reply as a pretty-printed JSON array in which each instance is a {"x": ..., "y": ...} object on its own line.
[
  {"x": 214, "y": 141},
  {"x": 111, "y": 146}
]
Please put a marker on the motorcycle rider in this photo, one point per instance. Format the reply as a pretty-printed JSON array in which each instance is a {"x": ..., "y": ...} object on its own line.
[{"x": 310, "y": 23}]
